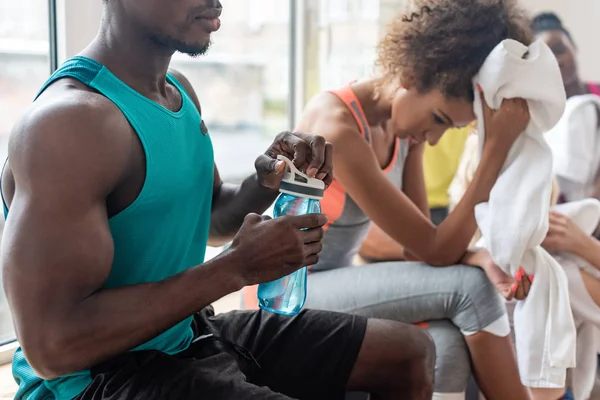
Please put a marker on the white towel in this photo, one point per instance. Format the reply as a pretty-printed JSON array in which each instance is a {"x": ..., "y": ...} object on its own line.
[
  {"x": 514, "y": 221},
  {"x": 586, "y": 215}
]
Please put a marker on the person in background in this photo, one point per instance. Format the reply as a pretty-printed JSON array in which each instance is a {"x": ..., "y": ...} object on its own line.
[
  {"x": 549, "y": 27},
  {"x": 575, "y": 141}
]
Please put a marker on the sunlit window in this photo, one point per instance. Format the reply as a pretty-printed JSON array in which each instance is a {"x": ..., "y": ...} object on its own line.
[{"x": 24, "y": 66}]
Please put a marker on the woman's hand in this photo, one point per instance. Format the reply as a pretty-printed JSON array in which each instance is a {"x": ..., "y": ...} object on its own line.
[
  {"x": 503, "y": 126},
  {"x": 509, "y": 287},
  {"x": 563, "y": 234}
]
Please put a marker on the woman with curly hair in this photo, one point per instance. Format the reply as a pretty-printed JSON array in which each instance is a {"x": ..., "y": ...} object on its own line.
[{"x": 378, "y": 127}]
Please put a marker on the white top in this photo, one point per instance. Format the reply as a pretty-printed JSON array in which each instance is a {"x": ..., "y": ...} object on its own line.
[{"x": 575, "y": 144}]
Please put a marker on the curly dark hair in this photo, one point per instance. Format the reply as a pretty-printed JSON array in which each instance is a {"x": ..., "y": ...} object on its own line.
[{"x": 442, "y": 44}]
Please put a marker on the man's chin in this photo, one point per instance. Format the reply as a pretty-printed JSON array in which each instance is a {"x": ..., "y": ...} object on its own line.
[{"x": 194, "y": 50}]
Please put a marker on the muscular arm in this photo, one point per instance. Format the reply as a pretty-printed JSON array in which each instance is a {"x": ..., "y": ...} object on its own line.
[
  {"x": 394, "y": 212},
  {"x": 57, "y": 251},
  {"x": 231, "y": 202},
  {"x": 379, "y": 245}
]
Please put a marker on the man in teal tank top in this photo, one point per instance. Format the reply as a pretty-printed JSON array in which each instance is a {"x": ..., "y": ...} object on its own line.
[{"x": 112, "y": 195}]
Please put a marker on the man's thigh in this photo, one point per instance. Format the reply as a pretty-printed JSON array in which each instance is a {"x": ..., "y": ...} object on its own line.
[
  {"x": 213, "y": 374},
  {"x": 309, "y": 356}
]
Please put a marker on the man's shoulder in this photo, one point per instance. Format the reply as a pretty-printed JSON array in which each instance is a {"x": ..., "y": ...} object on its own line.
[
  {"x": 69, "y": 96},
  {"x": 70, "y": 110},
  {"x": 70, "y": 124}
]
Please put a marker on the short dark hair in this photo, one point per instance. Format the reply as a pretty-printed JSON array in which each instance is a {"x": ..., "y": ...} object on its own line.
[
  {"x": 549, "y": 21},
  {"x": 443, "y": 44}
]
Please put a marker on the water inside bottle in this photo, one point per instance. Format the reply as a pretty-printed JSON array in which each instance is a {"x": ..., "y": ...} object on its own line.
[
  {"x": 285, "y": 295},
  {"x": 288, "y": 294}
]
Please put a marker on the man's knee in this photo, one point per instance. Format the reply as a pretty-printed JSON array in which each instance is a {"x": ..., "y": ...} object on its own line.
[
  {"x": 413, "y": 354},
  {"x": 396, "y": 355},
  {"x": 412, "y": 342},
  {"x": 423, "y": 345}
]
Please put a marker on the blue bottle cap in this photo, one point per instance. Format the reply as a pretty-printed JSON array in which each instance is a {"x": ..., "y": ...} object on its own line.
[{"x": 299, "y": 184}]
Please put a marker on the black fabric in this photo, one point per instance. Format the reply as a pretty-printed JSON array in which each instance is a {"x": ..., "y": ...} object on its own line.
[{"x": 241, "y": 355}]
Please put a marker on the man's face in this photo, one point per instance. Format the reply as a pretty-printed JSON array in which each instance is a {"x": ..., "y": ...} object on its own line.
[{"x": 179, "y": 25}]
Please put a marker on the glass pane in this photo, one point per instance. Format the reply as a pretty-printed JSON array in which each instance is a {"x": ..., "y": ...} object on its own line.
[
  {"x": 348, "y": 31},
  {"x": 24, "y": 66},
  {"x": 242, "y": 82}
]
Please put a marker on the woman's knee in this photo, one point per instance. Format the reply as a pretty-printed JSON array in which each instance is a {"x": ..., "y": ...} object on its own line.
[
  {"x": 452, "y": 364},
  {"x": 480, "y": 308}
]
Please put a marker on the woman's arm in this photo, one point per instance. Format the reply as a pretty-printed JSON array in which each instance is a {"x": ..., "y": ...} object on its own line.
[
  {"x": 357, "y": 169},
  {"x": 414, "y": 186},
  {"x": 379, "y": 245},
  {"x": 565, "y": 236},
  {"x": 394, "y": 212},
  {"x": 589, "y": 250}
]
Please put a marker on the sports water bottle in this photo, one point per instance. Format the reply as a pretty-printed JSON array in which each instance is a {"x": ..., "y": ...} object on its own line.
[{"x": 299, "y": 195}]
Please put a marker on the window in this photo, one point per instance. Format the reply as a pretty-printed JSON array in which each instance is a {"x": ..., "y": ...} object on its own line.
[
  {"x": 347, "y": 34},
  {"x": 267, "y": 12},
  {"x": 338, "y": 10},
  {"x": 243, "y": 82},
  {"x": 369, "y": 9},
  {"x": 24, "y": 66},
  {"x": 353, "y": 10}
]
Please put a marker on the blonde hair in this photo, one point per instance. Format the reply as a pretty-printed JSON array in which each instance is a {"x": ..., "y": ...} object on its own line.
[{"x": 465, "y": 172}]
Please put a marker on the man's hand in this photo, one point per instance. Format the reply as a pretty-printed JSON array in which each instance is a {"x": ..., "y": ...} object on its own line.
[
  {"x": 231, "y": 204},
  {"x": 563, "y": 234},
  {"x": 269, "y": 249},
  {"x": 310, "y": 153}
]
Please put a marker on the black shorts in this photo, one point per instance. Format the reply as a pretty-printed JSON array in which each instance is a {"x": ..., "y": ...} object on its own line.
[{"x": 241, "y": 355}]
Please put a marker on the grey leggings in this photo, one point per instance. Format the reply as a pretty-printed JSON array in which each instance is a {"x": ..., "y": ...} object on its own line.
[{"x": 447, "y": 297}]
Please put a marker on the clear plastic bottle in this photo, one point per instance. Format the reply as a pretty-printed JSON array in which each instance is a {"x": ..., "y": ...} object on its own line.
[{"x": 299, "y": 195}]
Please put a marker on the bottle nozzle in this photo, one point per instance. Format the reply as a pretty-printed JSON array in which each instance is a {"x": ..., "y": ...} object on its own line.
[{"x": 298, "y": 183}]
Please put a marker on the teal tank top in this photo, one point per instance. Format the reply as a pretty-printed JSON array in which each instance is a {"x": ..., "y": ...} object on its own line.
[{"x": 165, "y": 230}]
